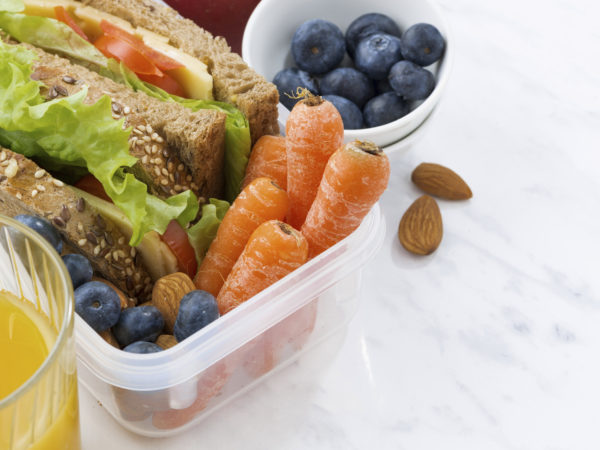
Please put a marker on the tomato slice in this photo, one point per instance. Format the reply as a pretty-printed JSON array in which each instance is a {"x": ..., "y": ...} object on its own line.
[
  {"x": 160, "y": 60},
  {"x": 123, "y": 51},
  {"x": 147, "y": 63},
  {"x": 91, "y": 185},
  {"x": 166, "y": 83},
  {"x": 62, "y": 15},
  {"x": 177, "y": 240}
]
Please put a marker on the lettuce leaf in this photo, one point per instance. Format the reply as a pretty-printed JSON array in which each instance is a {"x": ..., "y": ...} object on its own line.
[
  {"x": 52, "y": 35},
  {"x": 202, "y": 233},
  {"x": 237, "y": 130},
  {"x": 67, "y": 133}
]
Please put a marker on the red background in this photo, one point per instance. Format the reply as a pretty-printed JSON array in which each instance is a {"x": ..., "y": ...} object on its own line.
[{"x": 225, "y": 18}]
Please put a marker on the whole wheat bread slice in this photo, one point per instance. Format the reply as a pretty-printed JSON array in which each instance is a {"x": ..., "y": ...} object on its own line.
[
  {"x": 233, "y": 81},
  {"x": 25, "y": 188},
  {"x": 167, "y": 133}
]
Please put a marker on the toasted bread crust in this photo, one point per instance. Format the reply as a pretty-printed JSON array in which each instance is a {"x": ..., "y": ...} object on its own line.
[
  {"x": 233, "y": 81},
  {"x": 25, "y": 188}
]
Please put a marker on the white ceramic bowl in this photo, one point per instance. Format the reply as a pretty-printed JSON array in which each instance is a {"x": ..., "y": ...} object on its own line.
[{"x": 268, "y": 35}]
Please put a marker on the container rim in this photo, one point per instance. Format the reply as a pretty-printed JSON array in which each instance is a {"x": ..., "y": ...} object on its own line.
[
  {"x": 67, "y": 319},
  {"x": 170, "y": 367}
]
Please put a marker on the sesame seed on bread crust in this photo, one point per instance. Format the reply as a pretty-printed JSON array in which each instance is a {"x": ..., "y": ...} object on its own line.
[{"x": 233, "y": 81}]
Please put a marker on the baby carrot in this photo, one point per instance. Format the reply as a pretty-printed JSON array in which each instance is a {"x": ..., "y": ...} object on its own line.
[
  {"x": 274, "y": 250},
  {"x": 268, "y": 159},
  {"x": 314, "y": 130},
  {"x": 258, "y": 202},
  {"x": 354, "y": 179}
]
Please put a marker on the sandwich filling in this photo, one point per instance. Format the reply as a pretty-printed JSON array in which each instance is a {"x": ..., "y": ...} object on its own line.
[
  {"x": 65, "y": 135},
  {"x": 146, "y": 53},
  {"x": 72, "y": 137},
  {"x": 135, "y": 57}
]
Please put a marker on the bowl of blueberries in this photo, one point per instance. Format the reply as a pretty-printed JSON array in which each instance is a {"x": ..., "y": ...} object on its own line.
[{"x": 382, "y": 63}]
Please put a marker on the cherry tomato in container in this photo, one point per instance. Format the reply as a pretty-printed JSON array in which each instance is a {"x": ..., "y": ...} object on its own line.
[
  {"x": 177, "y": 240},
  {"x": 221, "y": 18}
]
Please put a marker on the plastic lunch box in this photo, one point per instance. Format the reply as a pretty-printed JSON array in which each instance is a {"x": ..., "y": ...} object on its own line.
[{"x": 161, "y": 394}]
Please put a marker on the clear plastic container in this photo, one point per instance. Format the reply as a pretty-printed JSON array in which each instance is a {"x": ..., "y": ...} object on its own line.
[{"x": 163, "y": 393}]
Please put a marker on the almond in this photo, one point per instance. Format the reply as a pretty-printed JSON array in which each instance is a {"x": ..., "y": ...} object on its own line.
[
  {"x": 166, "y": 341},
  {"x": 167, "y": 294},
  {"x": 440, "y": 181},
  {"x": 126, "y": 302},
  {"x": 420, "y": 229},
  {"x": 110, "y": 338}
]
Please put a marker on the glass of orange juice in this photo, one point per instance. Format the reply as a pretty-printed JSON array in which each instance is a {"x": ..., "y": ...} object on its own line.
[{"x": 38, "y": 376}]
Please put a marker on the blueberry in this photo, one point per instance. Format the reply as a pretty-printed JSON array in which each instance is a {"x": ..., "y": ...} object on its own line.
[
  {"x": 376, "y": 54},
  {"x": 142, "y": 323},
  {"x": 196, "y": 310},
  {"x": 366, "y": 25},
  {"x": 384, "y": 108},
  {"x": 411, "y": 81},
  {"x": 143, "y": 347},
  {"x": 348, "y": 83},
  {"x": 422, "y": 44},
  {"x": 79, "y": 268},
  {"x": 98, "y": 304},
  {"x": 382, "y": 86},
  {"x": 318, "y": 46},
  {"x": 44, "y": 228},
  {"x": 289, "y": 80},
  {"x": 351, "y": 114}
]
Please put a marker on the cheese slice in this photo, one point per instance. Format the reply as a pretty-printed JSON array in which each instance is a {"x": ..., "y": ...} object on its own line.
[
  {"x": 141, "y": 32},
  {"x": 45, "y": 8},
  {"x": 89, "y": 19},
  {"x": 193, "y": 77}
]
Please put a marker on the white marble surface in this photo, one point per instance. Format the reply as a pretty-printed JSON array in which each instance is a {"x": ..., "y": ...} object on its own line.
[{"x": 491, "y": 342}]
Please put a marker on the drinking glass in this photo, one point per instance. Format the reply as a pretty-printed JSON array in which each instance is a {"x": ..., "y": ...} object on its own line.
[{"x": 43, "y": 412}]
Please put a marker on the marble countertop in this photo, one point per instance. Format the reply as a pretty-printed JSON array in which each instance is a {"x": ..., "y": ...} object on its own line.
[{"x": 489, "y": 343}]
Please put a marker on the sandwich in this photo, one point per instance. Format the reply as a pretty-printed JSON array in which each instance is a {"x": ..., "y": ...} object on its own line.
[{"x": 118, "y": 121}]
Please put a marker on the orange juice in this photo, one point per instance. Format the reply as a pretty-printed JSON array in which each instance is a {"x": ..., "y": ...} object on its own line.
[
  {"x": 26, "y": 339},
  {"x": 22, "y": 345},
  {"x": 64, "y": 431}
]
